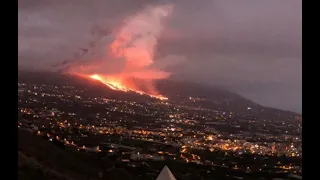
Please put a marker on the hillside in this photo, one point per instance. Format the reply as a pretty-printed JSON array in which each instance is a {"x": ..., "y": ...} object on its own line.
[
  {"x": 40, "y": 159},
  {"x": 177, "y": 92}
]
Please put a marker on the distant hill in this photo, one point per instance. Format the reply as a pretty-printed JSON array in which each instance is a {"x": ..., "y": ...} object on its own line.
[
  {"x": 177, "y": 92},
  {"x": 171, "y": 89},
  {"x": 94, "y": 87}
]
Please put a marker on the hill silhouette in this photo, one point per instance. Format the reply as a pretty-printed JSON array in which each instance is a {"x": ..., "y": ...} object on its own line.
[
  {"x": 174, "y": 90},
  {"x": 177, "y": 92},
  {"x": 40, "y": 159}
]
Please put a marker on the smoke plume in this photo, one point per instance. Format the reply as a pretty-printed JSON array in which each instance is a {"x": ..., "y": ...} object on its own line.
[{"x": 132, "y": 51}]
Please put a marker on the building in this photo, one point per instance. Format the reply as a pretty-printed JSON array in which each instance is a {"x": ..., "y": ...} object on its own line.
[{"x": 139, "y": 156}]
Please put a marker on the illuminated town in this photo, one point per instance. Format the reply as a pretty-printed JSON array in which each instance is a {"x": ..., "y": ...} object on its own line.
[{"x": 156, "y": 131}]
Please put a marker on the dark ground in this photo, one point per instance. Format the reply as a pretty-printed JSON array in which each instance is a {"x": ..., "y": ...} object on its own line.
[{"x": 40, "y": 159}]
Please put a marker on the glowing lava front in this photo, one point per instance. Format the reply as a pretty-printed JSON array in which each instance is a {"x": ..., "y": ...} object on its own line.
[
  {"x": 111, "y": 84},
  {"x": 119, "y": 87}
]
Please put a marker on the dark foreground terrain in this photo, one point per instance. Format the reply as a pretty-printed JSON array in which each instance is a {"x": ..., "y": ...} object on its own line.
[{"x": 40, "y": 159}]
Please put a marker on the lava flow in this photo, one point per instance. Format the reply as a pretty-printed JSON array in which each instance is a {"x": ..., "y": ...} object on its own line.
[
  {"x": 111, "y": 84},
  {"x": 118, "y": 87}
]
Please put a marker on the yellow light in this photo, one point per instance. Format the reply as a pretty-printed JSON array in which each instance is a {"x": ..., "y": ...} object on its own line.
[
  {"x": 96, "y": 77},
  {"x": 210, "y": 138}
]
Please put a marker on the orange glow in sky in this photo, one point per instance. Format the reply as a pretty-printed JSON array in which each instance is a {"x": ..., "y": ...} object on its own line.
[{"x": 134, "y": 44}]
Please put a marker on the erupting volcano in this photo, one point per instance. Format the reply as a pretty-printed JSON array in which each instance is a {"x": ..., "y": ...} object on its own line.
[{"x": 134, "y": 45}]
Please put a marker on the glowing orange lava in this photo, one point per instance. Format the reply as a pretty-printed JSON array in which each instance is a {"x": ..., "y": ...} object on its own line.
[{"x": 119, "y": 87}]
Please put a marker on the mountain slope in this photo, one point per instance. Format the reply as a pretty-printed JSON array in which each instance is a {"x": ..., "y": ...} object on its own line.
[
  {"x": 177, "y": 92},
  {"x": 173, "y": 90},
  {"x": 40, "y": 159}
]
